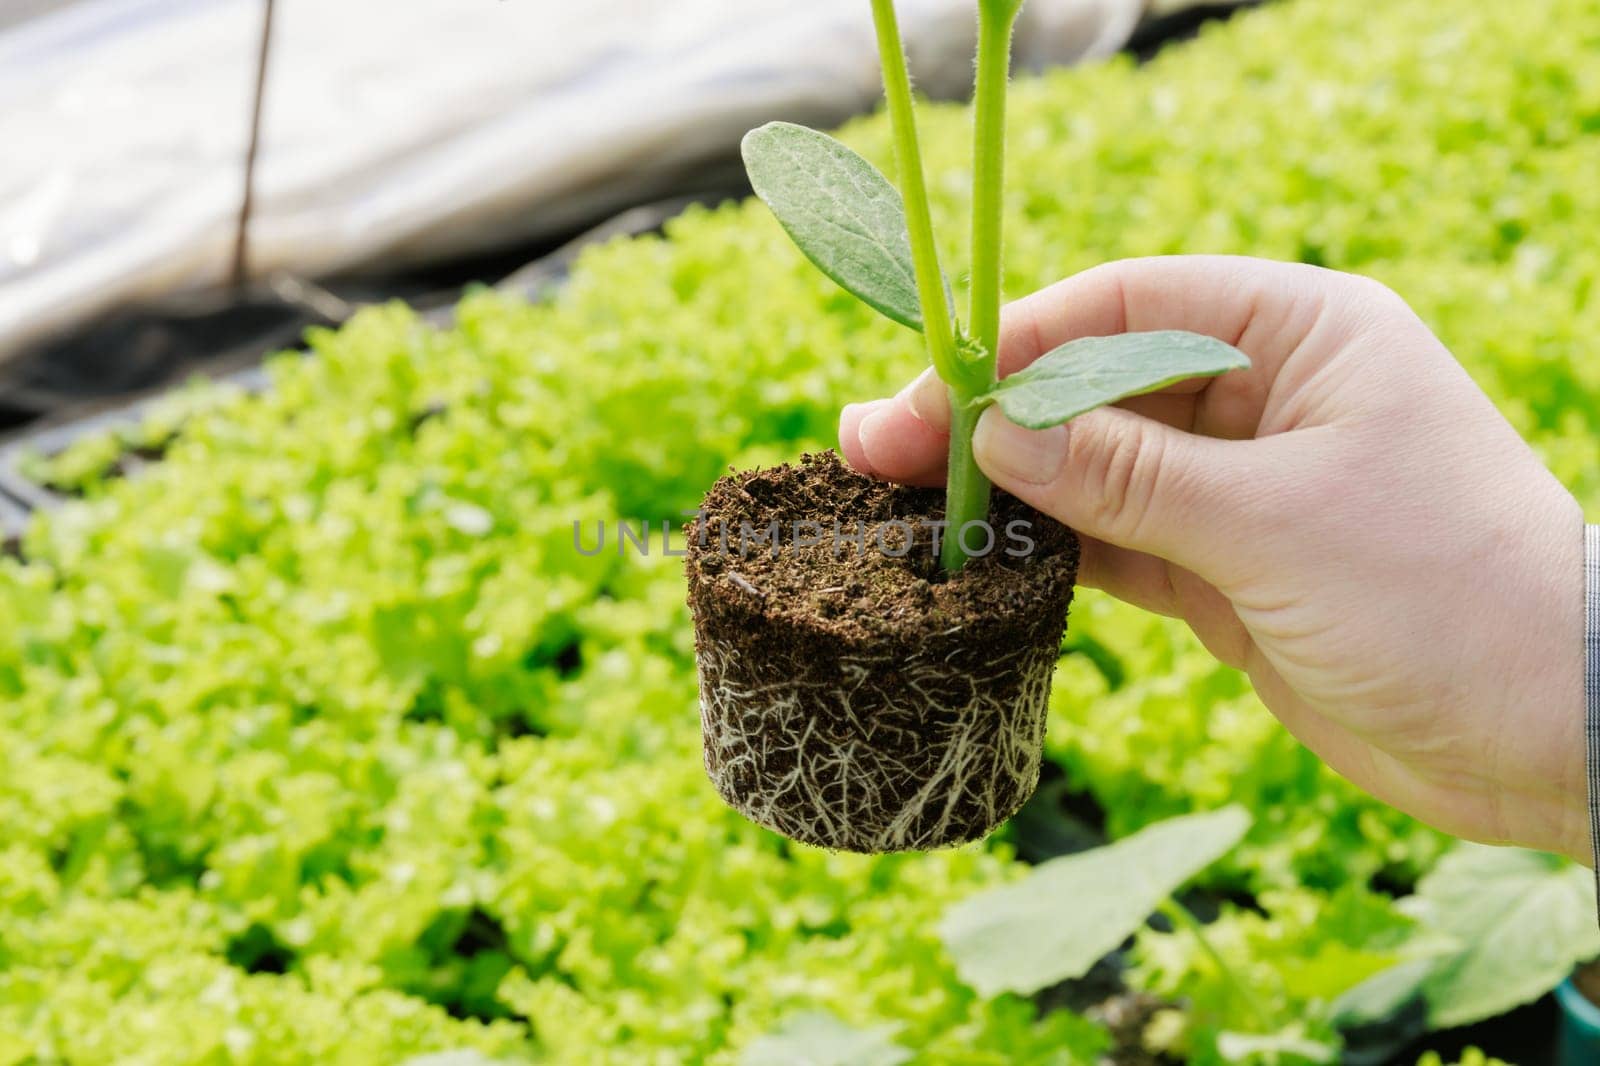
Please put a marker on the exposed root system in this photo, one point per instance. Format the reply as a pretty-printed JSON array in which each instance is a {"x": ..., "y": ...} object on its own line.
[{"x": 855, "y": 699}]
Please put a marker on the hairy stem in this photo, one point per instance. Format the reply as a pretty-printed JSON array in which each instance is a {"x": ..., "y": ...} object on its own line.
[
  {"x": 924, "y": 253},
  {"x": 1181, "y": 918},
  {"x": 995, "y": 22},
  {"x": 967, "y": 372},
  {"x": 967, "y": 491},
  {"x": 966, "y": 494}
]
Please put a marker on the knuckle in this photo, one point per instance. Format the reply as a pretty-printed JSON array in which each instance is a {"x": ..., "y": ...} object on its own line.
[
  {"x": 1366, "y": 308},
  {"x": 1123, "y": 477},
  {"x": 1375, "y": 295}
]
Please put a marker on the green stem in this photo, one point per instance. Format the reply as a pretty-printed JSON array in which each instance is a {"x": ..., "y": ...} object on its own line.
[
  {"x": 919, "y": 221},
  {"x": 967, "y": 490},
  {"x": 1182, "y": 918},
  {"x": 995, "y": 23},
  {"x": 966, "y": 493}
]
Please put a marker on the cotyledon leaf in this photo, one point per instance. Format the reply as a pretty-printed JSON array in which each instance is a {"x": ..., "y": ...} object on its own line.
[
  {"x": 1067, "y": 913},
  {"x": 1091, "y": 372},
  {"x": 840, "y": 211}
]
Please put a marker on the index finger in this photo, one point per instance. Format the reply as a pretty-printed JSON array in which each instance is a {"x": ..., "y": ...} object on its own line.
[{"x": 1266, "y": 308}]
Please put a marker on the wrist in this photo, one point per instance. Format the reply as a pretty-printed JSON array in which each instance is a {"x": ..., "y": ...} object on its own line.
[
  {"x": 1589, "y": 847},
  {"x": 1541, "y": 760}
]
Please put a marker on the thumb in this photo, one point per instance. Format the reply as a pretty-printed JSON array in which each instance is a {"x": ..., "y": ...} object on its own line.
[{"x": 1133, "y": 482}]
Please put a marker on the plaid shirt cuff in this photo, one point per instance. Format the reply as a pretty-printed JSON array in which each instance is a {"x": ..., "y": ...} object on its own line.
[{"x": 1591, "y": 684}]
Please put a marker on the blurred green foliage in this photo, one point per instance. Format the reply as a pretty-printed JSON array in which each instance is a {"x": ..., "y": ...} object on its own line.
[{"x": 323, "y": 745}]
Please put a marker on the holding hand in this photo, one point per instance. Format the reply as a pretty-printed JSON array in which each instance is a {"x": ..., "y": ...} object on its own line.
[{"x": 1350, "y": 521}]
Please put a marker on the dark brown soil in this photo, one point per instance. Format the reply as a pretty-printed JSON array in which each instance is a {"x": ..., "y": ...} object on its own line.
[{"x": 852, "y": 695}]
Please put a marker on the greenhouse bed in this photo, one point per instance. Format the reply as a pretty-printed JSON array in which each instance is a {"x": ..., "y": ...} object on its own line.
[
  {"x": 327, "y": 746},
  {"x": 120, "y": 427}
]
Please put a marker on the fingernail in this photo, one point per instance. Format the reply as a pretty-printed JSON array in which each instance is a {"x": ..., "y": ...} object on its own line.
[
  {"x": 873, "y": 426},
  {"x": 850, "y": 445},
  {"x": 1007, "y": 452},
  {"x": 923, "y": 396}
]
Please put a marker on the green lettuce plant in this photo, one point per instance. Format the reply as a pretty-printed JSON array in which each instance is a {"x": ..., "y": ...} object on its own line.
[
  {"x": 287, "y": 678},
  {"x": 878, "y": 243}
]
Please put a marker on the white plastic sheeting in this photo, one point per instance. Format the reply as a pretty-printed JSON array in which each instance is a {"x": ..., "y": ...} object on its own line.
[{"x": 406, "y": 131}]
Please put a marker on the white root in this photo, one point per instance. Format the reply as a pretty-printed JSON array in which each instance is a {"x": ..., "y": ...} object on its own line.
[{"x": 943, "y": 761}]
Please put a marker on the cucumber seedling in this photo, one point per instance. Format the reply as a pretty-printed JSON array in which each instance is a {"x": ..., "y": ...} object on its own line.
[
  {"x": 878, "y": 244},
  {"x": 875, "y": 661}
]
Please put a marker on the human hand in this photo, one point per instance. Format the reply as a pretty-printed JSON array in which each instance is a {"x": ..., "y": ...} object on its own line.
[{"x": 1350, "y": 521}]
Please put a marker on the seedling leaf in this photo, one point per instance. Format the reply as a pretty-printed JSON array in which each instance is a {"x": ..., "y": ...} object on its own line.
[
  {"x": 1526, "y": 919},
  {"x": 1071, "y": 911},
  {"x": 817, "y": 1038},
  {"x": 840, "y": 211},
  {"x": 1093, "y": 371}
]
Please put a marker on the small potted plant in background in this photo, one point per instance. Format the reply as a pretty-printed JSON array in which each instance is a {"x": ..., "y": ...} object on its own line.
[
  {"x": 1579, "y": 997},
  {"x": 875, "y": 661}
]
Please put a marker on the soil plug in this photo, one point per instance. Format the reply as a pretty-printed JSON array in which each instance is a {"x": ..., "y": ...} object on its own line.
[{"x": 852, "y": 696}]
